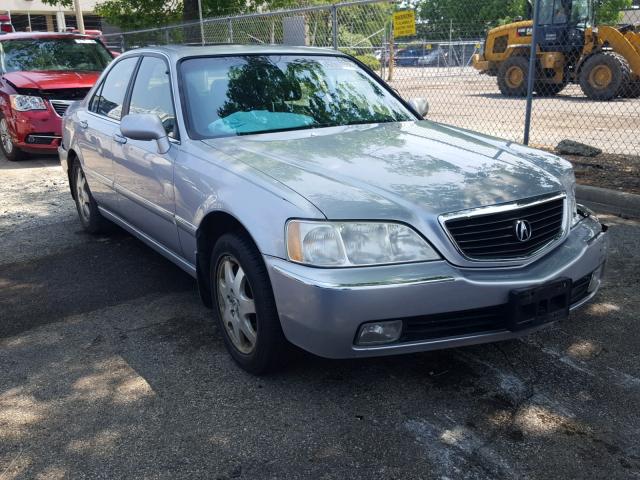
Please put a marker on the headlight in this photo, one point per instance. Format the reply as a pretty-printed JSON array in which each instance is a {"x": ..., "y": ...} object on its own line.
[
  {"x": 23, "y": 103},
  {"x": 346, "y": 244},
  {"x": 568, "y": 179}
]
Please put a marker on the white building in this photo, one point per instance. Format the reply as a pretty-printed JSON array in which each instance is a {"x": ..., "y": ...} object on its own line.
[{"x": 41, "y": 17}]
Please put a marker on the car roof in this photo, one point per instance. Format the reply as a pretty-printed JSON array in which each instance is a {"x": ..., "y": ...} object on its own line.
[
  {"x": 183, "y": 51},
  {"x": 36, "y": 35}
]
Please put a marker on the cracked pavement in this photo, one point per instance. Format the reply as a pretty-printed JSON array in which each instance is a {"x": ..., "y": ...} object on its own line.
[{"x": 110, "y": 367}]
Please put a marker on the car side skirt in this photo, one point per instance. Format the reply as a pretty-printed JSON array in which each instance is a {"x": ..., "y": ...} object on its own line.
[{"x": 158, "y": 247}]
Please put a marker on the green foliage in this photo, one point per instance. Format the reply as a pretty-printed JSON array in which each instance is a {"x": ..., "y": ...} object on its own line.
[
  {"x": 465, "y": 18},
  {"x": 471, "y": 18},
  {"x": 370, "y": 61},
  {"x": 135, "y": 14},
  {"x": 608, "y": 11},
  {"x": 62, "y": 3}
]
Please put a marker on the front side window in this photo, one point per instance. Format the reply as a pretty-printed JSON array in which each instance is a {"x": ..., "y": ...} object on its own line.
[
  {"x": 110, "y": 98},
  {"x": 228, "y": 96},
  {"x": 55, "y": 54},
  {"x": 152, "y": 93}
]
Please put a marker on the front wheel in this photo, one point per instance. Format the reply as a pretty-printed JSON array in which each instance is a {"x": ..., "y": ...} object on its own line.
[
  {"x": 512, "y": 77},
  {"x": 10, "y": 151},
  {"x": 245, "y": 306}
]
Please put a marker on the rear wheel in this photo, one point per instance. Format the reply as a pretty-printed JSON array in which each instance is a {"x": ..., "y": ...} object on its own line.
[
  {"x": 604, "y": 76},
  {"x": 7, "y": 146},
  {"x": 245, "y": 305},
  {"x": 87, "y": 207},
  {"x": 512, "y": 77}
]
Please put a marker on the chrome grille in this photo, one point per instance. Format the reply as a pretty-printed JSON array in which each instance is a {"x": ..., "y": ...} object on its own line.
[
  {"x": 60, "y": 106},
  {"x": 492, "y": 236}
]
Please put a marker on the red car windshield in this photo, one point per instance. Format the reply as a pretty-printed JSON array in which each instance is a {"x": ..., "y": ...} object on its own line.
[{"x": 54, "y": 54}]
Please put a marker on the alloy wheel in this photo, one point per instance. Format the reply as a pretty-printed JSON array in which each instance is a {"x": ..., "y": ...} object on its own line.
[
  {"x": 82, "y": 196},
  {"x": 5, "y": 138},
  {"x": 236, "y": 305}
]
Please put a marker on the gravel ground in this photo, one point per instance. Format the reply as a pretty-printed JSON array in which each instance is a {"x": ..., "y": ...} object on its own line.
[
  {"x": 463, "y": 97},
  {"x": 617, "y": 172},
  {"x": 111, "y": 368}
]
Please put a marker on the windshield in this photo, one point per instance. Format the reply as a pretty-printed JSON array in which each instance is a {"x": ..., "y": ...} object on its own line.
[
  {"x": 256, "y": 94},
  {"x": 60, "y": 54}
]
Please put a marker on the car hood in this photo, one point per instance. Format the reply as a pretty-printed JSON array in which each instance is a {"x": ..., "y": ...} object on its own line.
[
  {"x": 51, "y": 80},
  {"x": 393, "y": 170}
]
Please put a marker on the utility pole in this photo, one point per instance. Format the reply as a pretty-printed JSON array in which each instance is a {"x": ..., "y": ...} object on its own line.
[
  {"x": 391, "y": 48},
  {"x": 201, "y": 23},
  {"x": 532, "y": 71},
  {"x": 79, "y": 18}
]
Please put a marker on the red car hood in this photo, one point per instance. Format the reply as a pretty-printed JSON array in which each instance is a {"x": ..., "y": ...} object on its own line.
[{"x": 52, "y": 80}]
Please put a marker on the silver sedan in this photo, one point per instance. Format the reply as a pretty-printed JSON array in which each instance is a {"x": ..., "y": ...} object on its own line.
[{"x": 316, "y": 207}]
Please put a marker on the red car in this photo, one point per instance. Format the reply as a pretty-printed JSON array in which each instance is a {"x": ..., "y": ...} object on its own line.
[{"x": 41, "y": 74}]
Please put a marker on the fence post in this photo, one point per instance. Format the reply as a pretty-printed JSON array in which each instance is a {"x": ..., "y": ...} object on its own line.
[
  {"x": 334, "y": 26},
  {"x": 230, "y": 26},
  {"x": 532, "y": 71}
]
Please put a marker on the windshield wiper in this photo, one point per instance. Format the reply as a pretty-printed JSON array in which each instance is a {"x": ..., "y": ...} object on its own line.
[{"x": 275, "y": 130}]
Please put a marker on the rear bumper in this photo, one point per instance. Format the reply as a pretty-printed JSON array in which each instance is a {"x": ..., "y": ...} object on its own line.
[{"x": 322, "y": 309}]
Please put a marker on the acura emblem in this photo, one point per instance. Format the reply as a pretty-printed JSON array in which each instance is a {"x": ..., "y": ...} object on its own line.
[{"x": 523, "y": 230}]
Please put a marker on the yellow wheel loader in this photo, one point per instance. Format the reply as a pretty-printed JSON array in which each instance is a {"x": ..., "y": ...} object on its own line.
[{"x": 604, "y": 60}]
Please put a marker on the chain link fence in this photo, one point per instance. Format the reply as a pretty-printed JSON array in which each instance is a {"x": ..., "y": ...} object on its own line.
[{"x": 438, "y": 64}]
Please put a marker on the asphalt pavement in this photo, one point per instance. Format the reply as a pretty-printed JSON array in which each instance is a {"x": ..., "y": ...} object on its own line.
[{"x": 110, "y": 367}]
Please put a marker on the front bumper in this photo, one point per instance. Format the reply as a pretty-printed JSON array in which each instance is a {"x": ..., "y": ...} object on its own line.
[
  {"x": 322, "y": 309},
  {"x": 36, "y": 131}
]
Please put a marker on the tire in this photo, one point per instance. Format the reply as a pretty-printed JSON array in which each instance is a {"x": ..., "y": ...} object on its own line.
[
  {"x": 512, "y": 76},
  {"x": 10, "y": 151},
  {"x": 604, "y": 76},
  {"x": 244, "y": 305},
  {"x": 90, "y": 217}
]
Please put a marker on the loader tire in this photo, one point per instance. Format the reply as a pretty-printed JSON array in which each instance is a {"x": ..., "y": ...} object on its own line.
[
  {"x": 512, "y": 77},
  {"x": 604, "y": 76}
]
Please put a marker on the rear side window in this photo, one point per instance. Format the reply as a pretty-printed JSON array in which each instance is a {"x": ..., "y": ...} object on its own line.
[
  {"x": 95, "y": 100},
  {"x": 152, "y": 93},
  {"x": 110, "y": 98}
]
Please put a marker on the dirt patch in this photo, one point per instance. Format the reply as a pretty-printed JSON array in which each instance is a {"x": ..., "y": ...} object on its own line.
[{"x": 617, "y": 172}]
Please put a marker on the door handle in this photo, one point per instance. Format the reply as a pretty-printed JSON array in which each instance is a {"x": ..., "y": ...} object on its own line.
[
  {"x": 119, "y": 138},
  {"x": 83, "y": 124}
]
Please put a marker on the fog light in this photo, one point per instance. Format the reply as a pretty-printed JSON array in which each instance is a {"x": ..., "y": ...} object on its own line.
[
  {"x": 375, "y": 333},
  {"x": 596, "y": 279}
]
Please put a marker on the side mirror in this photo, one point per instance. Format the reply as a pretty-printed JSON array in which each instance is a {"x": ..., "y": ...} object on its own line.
[
  {"x": 145, "y": 126},
  {"x": 420, "y": 105}
]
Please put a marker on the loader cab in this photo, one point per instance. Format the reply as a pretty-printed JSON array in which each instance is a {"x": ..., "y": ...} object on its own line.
[{"x": 562, "y": 25}]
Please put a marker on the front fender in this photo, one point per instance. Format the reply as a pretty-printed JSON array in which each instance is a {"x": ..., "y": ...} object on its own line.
[{"x": 208, "y": 181}]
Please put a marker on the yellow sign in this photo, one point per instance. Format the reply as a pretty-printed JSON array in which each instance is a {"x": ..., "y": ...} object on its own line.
[{"x": 404, "y": 23}]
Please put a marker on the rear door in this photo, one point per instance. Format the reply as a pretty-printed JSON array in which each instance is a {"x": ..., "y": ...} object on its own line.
[
  {"x": 97, "y": 126},
  {"x": 144, "y": 177}
]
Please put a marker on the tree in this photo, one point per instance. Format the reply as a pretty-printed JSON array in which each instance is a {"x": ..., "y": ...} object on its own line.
[
  {"x": 471, "y": 18},
  {"x": 609, "y": 11}
]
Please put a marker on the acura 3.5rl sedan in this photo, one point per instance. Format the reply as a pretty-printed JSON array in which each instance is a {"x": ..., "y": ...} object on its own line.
[{"x": 316, "y": 207}]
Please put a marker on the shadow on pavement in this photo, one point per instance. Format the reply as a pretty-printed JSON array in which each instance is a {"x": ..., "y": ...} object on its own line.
[{"x": 30, "y": 162}]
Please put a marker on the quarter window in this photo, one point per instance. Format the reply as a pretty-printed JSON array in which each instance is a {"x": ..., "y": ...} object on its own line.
[
  {"x": 152, "y": 93},
  {"x": 110, "y": 99}
]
